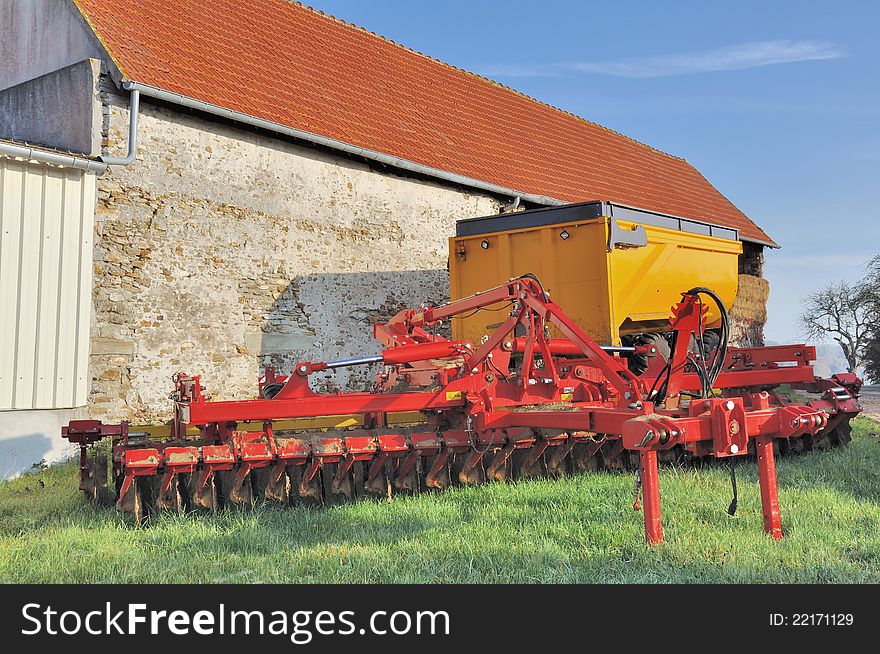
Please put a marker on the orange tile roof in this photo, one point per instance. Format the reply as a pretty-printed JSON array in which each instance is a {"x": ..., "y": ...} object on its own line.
[{"x": 291, "y": 64}]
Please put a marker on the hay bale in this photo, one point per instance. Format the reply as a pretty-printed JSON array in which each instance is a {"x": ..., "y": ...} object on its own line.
[
  {"x": 748, "y": 314},
  {"x": 751, "y": 299}
]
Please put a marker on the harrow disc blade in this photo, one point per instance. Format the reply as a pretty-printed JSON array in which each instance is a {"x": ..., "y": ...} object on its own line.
[
  {"x": 303, "y": 489},
  {"x": 558, "y": 461},
  {"x": 822, "y": 440},
  {"x": 94, "y": 483},
  {"x": 499, "y": 464},
  {"x": 584, "y": 457},
  {"x": 672, "y": 456},
  {"x": 468, "y": 468},
  {"x": 795, "y": 445},
  {"x": 528, "y": 465},
  {"x": 137, "y": 500},
  {"x": 235, "y": 487},
  {"x": 842, "y": 434},
  {"x": 438, "y": 473},
  {"x": 380, "y": 484},
  {"x": 271, "y": 484},
  {"x": 201, "y": 490},
  {"x": 613, "y": 456},
  {"x": 372, "y": 478},
  {"x": 169, "y": 500},
  {"x": 407, "y": 474},
  {"x": 339, "y": 486}
]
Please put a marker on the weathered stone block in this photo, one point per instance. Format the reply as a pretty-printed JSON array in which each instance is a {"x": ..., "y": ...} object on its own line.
[{"x": 112, "y": 346}]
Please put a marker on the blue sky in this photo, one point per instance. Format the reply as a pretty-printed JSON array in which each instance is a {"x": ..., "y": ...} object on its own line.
[{"x": 775, "y": 103}]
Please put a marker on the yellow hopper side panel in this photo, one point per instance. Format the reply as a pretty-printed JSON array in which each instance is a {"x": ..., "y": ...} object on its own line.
[{"x": 646, "y": 281}]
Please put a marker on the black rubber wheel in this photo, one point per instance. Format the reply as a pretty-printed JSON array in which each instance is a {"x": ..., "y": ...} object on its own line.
[
  {"x": 711, "y": 338},
  {"x": 638, "y": 363},
  {"x": 271, "y": 390}
]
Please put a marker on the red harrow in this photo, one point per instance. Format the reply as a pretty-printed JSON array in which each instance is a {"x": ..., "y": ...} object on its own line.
[{"x": 519, "y": 404}]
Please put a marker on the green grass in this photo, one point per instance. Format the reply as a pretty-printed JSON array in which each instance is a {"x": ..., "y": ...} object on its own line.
[{"x": 580, "y": 529}]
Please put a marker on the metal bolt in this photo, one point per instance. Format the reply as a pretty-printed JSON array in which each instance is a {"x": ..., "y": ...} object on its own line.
[
  {"x": 532, "y": 382},
  {"x": 729, "y": 405},
  {"x": 734, "y": 448}
]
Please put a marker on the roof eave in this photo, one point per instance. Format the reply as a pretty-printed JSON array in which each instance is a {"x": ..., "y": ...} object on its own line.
[
  {"x": 769, "y": 244},
  {"x": 51, "y": 156}
]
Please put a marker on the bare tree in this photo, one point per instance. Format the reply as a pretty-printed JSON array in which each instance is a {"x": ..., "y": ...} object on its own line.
[
  {"x": 871, "y": 285},
  {"x": 844, "y": 312},
  {"x": 871, "y": 293},
  {"x": 872, "y": 358}
]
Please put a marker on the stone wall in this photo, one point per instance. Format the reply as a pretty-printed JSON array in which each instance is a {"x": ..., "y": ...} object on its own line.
[{"x": 220, "y": 249}]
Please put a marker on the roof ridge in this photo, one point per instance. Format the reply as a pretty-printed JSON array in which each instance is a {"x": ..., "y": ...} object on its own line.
[{"x": 488, "y": 80}]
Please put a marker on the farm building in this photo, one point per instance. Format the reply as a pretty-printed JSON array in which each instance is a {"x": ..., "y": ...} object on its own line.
[{"x": 212, "y": 187}]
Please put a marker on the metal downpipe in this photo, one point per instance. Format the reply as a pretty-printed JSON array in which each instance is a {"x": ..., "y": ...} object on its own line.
[{"x": 133, "y": 110}]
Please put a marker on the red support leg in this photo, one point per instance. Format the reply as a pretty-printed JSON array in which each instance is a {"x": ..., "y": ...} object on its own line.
[
  {"x": 651, "y": 497},
  {"x": 769, "y": 490}
]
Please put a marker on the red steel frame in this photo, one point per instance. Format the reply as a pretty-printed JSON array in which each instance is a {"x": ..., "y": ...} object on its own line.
[{"x": 471, "y": 407}]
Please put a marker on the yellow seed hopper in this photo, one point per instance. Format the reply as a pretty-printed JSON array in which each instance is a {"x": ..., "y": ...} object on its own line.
[{"x": 616, "y": 269}]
